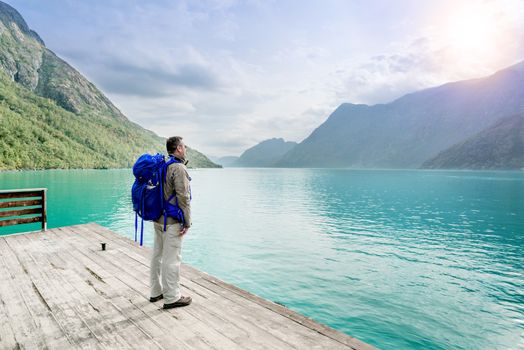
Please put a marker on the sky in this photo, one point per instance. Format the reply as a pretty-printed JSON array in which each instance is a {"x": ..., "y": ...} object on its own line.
[{"x": 228, "y": 74}]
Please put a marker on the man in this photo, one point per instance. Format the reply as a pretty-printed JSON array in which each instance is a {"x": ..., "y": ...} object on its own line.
[{"x": 168, "y": 244}]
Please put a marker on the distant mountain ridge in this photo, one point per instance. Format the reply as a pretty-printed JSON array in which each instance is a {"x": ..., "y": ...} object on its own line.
[
  {"x": 225, "y": 161},
  {"x": 500, "y": 146},
  {"x": 412, "y": 129},
  {"x": 53, "y": 117},
  {"x": 264, "y": 154}
]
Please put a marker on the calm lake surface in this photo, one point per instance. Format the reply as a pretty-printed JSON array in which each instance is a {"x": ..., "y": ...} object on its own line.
[{"x": 398, "y": 259}]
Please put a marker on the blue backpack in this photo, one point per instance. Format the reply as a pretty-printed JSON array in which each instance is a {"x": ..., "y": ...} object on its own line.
[{"x": 147, "y": 192}]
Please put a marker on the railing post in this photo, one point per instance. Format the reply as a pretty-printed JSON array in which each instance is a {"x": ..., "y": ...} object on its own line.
[{"x": 44, "y": 210}]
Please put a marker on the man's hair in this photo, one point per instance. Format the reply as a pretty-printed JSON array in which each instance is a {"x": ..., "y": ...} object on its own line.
[{"x": 172, "y": 143}]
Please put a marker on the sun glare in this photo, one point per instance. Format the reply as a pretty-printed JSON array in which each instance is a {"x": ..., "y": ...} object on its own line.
[{"x": 473, "y": 33}]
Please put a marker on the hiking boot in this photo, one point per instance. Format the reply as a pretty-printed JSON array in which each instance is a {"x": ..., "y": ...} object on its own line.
[
  {"x": 154, "y": 299},
  {"x": 183, "y": 301}
]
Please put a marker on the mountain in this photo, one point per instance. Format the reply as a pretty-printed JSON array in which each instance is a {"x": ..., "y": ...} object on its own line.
[
  {"x": 225, "y": 161},
  {"x": 53, "y": 117},
  {"x": 265, "y": 154},
  {"x": 500, "y": 146},
  {"x": 413, "y": 128}
]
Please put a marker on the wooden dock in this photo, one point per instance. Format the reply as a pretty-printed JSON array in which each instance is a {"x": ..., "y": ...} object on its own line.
[{"x": 59, "y": 290}]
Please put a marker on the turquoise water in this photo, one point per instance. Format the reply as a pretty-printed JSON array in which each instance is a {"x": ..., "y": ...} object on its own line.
[{"x": 398, "y": 259}]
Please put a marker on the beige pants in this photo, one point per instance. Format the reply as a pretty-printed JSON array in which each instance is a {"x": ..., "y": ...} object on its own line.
[{"x": 166, "y": 260}]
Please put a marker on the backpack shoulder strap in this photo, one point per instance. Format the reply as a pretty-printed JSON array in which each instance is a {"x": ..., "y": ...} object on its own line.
[
  {"x": 164, "y": 171},
  {"x": 166, "y": 165},
  {"x": 164, "y": 180}
]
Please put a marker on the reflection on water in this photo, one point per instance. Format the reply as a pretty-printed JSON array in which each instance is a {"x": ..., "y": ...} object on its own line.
[
  {"x": 449, "y": 250},
  {"x": 399, "y": 259}
]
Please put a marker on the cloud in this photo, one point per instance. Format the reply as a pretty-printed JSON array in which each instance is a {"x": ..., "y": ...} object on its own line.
[
  {"x": 385, "y": 77},
  {"x": 143, "y": 76},
  {"x": 189, "y": 75},
  {"x": 155, "y": 80}
]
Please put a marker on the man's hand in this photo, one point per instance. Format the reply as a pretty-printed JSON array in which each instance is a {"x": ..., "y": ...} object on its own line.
[{"x": 184, "y": 230}]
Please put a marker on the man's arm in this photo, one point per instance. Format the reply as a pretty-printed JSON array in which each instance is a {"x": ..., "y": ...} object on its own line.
[{"x": 181, "y": 179}]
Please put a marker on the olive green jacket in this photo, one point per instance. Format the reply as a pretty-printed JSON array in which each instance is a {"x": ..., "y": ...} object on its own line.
[{"x": 177, "y": 180}]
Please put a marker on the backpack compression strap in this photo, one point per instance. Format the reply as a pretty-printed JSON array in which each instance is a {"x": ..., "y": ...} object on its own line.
[{"x": 142, "y": 200}]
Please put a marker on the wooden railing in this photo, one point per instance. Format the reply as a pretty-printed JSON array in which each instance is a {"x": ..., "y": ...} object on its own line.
[{"x": 23, "y": 204}]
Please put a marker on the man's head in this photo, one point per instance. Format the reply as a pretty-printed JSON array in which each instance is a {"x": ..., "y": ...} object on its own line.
[{"x": 176, "y": 146}]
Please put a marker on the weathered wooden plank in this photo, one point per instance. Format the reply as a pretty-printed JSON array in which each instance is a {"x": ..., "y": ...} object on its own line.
[
  {"x": 20, "y": 221},
  {"x": 24, "y": 190},
  {"x": 24, "y": 203},
  {"x": 20, "y": 212},
  {"x": 19, "y": 194}
]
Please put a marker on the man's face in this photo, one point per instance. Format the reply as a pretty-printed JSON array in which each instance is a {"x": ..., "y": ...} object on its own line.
[{"x": 181, "y": 149}]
